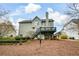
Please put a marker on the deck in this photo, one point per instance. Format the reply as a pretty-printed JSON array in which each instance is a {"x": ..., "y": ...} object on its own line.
[{"x": 44, "y": 30}]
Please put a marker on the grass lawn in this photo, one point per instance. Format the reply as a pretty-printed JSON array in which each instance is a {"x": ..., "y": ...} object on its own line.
[{"x": 47, "y": 48}]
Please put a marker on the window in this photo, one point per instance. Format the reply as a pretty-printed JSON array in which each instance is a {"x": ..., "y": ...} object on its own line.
[
  {"x": 33, "y": 27},
  {"x": 36, "y": 23}
]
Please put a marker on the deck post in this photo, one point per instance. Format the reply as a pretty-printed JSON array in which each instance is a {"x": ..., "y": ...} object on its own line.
[{"x": 40, "y": 39}]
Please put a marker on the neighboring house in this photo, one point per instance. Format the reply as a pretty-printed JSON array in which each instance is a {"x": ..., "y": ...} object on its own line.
[
  {"x": 40, "y": 28},
  {"x": 72, "y": 29}
]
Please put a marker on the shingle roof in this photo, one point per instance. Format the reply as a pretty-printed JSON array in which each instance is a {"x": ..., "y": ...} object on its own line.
[
  {"x": 26, "y": 21},
  {"x": 30, "y": 21},
  {"x": 36, "y": 17},
  {"x": 75, "y": 21}
]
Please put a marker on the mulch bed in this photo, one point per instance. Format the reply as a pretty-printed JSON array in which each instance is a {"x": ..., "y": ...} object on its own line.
[{"x": 47, "y": 48}]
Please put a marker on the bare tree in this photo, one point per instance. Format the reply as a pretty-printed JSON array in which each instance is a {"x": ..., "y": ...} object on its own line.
[
  {"x": 4, "y": 12},
  {"x": 73, "y": 12},
  {"x": 6, "y": 27}
]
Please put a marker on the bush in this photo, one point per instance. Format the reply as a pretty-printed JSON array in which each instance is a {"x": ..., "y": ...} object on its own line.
[
  {"x": 28, "y": 38},
  {"x": 72, "y": 38},
  {"x": 6, "y": 41},
  {"x": 7, "y": 38},
  {"x": 20, "y": 38},
  {"x": 63, "y": 36},
  {"x": 23, "y": 38},
  {"x": 0, "y": 38},
  {"x": 17, "y": 38},
  {"x": 11, "y": 40}
]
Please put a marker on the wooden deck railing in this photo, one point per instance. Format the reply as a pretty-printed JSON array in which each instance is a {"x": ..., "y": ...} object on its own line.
[
  {"x": 48, "y": 29},
  {"x": 45, "y": 29}
]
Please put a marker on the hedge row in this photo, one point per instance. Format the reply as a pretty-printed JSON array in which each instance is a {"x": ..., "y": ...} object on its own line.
[
  {"x": 11, "y": 41},
  {"x": 12, "y": 38},
  {"x": 7, "y": 38}
]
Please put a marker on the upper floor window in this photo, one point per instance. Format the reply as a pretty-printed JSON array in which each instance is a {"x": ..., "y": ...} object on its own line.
[{"x": 33, "y": 27}]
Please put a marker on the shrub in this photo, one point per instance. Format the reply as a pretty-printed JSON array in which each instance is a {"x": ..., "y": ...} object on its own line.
[
  {"x": 71, "y": 38},
  {"x": 17, "y": 38},
  {"x": 11, "y": 40},
  {"x": 20, "y": 38},
  {"x": 23, "y": 38},
  {"x": 63, "y": 36},
  {"x": 0, "y": 38},
  {"x": 28, "y": 38},
  {"x": 7, "y": 38}
]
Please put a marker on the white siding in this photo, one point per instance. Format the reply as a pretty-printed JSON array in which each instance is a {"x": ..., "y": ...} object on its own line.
[
  {"x": 43, "y": 24},
  {"x": 72, "y": 30},
  {"x": 25, "y": 29},
  {"x": 51, "y": 24},
  {"x": 36, "y": 23}
]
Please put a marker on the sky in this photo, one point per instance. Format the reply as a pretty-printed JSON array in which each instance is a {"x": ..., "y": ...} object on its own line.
[{"x": 27, "y": 11}]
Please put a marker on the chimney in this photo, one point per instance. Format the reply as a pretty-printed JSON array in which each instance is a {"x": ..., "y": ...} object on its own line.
[
  {"x": 47, "y": 20},
  {"x": 46, "y": 15}
]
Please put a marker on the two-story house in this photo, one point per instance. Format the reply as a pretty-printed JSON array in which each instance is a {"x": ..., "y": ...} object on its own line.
[{"x": 40, "y": 28}]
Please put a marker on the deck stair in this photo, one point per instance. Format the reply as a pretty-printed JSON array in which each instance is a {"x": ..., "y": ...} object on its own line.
[{"x": 44, "y": 30}]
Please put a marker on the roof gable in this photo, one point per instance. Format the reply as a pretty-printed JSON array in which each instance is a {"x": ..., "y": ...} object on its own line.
[{"x": 36, "y": 18}]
